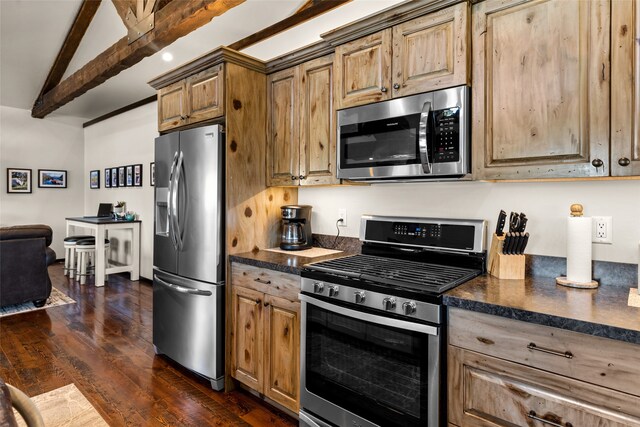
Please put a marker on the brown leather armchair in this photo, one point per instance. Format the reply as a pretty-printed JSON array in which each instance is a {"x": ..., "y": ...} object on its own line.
[{"x": 24, "y": 257}]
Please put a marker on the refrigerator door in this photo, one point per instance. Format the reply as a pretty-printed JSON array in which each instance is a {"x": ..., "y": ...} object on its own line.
[
  {"x": 165, "y": 252},
  {"x": 188, "y": 324},
  {"x": 199, "y": 185}
]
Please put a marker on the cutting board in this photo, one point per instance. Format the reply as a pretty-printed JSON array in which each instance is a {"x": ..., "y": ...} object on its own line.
[{"x": 309, "y": 253}]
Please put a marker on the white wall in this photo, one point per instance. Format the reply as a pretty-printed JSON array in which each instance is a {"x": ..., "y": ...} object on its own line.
[
  {"x": 545, "y": 203},
  {"x": 123, "y": 140},
  {"x": 50, "y": 143}
]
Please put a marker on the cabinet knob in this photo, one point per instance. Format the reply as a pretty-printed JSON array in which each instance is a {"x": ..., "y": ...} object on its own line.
[
  {"x": 383, "y": 89},
  {"x": 396, "y": 86},
  {"x": 301, "y": 177},
  {"x": 597, "y": 163},
  {"x": 183, "y": 118},
  {"x": 293, "y": 178},
  {"x": 266, "y": 304},
  {"x": 624, "y": 161}
]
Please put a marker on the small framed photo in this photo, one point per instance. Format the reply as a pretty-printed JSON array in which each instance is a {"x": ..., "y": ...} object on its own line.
[
  {"x": 18, "y": 180},
  {"x": 114, "y": 177},
  {"x": 49, "y": 178},
  {"x": 129, "y": 175},
  {"x": 94, "y": 179},
  {"x": 137, "y": 175},
  {"x": 107, "y": 178},
  {"x": 152, "y": 174},
  {"x": 121, "y": 177}
]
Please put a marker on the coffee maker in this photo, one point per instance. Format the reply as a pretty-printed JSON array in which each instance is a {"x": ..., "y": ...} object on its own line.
[{"x": 296, "y": 227}]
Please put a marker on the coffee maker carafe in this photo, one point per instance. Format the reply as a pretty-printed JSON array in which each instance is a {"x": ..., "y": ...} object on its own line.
[{"x": 296, "y": 227}]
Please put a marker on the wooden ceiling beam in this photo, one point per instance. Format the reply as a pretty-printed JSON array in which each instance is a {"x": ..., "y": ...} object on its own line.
[
  {"x": 175, "y": 20},
  {"x": 77, "y": 31},
  {"x": 123, "y": 7},
  {"x": 308, "y": 11}
]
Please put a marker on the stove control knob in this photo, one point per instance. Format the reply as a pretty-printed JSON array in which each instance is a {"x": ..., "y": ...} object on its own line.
[
  {"x": 318, "y": 287},
  {"x": 360, "y": 296},
  {"x": 409, "y": 307},
  {"x": 389, "y": 303},
  {"x": 333, "y": 290}
]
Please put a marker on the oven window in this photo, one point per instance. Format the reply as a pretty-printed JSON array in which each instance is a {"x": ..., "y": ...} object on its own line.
[
  {"x": 376, "y": 372},
  {"x": 385, "y": 142}
]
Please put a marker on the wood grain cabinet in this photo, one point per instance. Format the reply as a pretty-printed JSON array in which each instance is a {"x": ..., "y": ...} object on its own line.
[
  {"x": 541, "y": 87},
  {"x": 265, "y": 342},
  {"x": 195, "y": 99},
  {"x": 504, "y": 372},
  {"x": 301, "y": 125},
  {"x": 420, "y": 55}
]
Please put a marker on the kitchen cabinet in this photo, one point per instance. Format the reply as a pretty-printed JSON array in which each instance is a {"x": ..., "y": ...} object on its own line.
[
  {"x": 265, "y": 328},
  {"x": 191, "y": 100},
  {"x": 541, "y": 87},
  {"x": 423, "y": 54},
  {"x": 509, "y": 372},
  {"x": 301, "y": 125}
]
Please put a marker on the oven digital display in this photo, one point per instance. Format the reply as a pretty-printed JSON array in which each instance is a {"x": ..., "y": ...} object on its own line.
[{"x": 453, "y": 236}]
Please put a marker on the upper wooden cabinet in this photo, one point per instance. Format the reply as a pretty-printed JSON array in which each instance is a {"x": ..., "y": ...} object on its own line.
[
  {"x": 420, "y": 55},
  {"x": 541, "y": 88},
  {"x": 197, "y": 98},
  {"x": 301, "y": 125}
]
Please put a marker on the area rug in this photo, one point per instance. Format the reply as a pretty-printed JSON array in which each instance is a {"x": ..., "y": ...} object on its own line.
[
  {"x": 65, "y": 407},
  {"x": 56, "y": 298}
]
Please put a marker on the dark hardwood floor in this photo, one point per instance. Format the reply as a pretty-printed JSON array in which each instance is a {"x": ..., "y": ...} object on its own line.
[{"x": 103, "y": 344}]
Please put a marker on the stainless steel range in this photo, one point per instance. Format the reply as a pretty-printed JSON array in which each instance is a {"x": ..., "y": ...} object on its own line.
[{"x": 373, "y": 346}]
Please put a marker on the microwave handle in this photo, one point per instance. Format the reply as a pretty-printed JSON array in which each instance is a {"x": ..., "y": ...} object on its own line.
[{"x": 422, "y": 137}]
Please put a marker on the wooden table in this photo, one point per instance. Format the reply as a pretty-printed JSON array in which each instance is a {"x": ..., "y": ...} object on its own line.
[{"x": 101, "y": 226}]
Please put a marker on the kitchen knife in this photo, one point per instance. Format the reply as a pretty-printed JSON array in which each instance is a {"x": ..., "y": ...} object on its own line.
[
  {"x": 523, "y": 243},
  {"x": 505, "y": 243},
  {"x": 514, "y": 243},
  {"x": 502, "y": 218},
  {"x": 523, "y": 223}
]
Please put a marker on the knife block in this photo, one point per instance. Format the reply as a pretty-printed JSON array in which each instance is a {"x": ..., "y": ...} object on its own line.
[{"x": 504, "y": 266}]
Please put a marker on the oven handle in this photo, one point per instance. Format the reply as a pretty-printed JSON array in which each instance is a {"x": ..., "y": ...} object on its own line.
[
  {"x": 372, "y": 318},
  {"x": 422, "y": 137}
]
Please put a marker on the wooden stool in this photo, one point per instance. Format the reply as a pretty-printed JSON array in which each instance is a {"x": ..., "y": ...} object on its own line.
[
  {"x": 86, "y": 251},
  {"x": 70, "y": 253}
]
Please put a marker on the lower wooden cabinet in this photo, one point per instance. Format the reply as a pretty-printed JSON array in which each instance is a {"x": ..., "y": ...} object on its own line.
[{"x": 265, "y": 341}]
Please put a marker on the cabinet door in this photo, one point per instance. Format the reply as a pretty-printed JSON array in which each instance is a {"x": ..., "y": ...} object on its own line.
[
  {"x": 205, "y": 95},
  {"x": 625, "y": 88},
  {"x": 485, "y": 391},
  {"x": 282, "y": 345},
  {"x": 247, "y": 346},
  {"x": 431, "y": 52},
  {"x": 283, "y": 142},
  {"x": 541, "y": 88},
  {"x": 363, "y": 70},
  {"x": 317, "y": 127},
  {"x": 172, "y": 107}
]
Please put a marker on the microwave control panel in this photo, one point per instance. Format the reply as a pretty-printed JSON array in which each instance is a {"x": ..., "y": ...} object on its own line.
[{"x": 446, "y": 144}]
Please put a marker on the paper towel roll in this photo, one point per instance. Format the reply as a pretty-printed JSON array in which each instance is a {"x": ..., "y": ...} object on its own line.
[{"x": 579, "y": 249}]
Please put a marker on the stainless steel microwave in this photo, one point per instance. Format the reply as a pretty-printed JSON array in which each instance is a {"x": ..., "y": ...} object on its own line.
[{"x": 418, "y": 137}]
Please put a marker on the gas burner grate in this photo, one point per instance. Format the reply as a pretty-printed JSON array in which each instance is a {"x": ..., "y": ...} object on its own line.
[{"x": 396, "y": 272}]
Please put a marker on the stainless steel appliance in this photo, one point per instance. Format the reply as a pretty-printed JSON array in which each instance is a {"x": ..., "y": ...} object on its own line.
[
  {"x": 373, "y": 346},
  {"x": 419, "y": 137},
  {"x": 296, "y": 227},
  {"x": 188, "y": 256}
]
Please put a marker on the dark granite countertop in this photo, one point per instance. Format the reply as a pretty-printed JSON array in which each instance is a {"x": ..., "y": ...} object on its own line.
[
  {"x": 286, "y": 262},
  {"x": 601, "y": 312}
]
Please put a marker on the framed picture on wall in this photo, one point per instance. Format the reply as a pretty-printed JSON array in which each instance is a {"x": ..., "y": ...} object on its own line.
[
  {"x": 94, "y": 179},
  {"x": 137, "y": 175},
  {"x": 152, "y": 174},
  {"x": 107, "y": 178},
  {"x": 50, "y": 178},
  {"x": 114, "y": 177},
  {"x": 129, "y": 176},
  {"x": 18, "y": 180},
  {"x": 121, "y": 177}
]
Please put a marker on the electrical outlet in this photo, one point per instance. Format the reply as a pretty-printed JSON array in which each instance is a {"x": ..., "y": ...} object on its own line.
[
  {"x": 602, "y": 229},
  {"x": 342, "y": 214}
]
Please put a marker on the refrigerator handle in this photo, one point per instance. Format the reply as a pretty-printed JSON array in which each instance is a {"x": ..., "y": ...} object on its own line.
[
  {"x": 182, "y": 289},
  {"x": 176, "y": 216},
  {"x": 171, "y": 202}
]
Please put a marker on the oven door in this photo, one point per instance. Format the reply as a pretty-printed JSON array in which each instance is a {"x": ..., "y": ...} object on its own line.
[{"x": 362, "y": 369}]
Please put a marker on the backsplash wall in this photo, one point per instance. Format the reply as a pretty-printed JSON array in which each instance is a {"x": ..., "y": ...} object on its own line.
[{"x": 545, "y": 203}]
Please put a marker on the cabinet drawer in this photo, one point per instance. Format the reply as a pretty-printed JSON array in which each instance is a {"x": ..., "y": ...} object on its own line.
[
  {"x": 494, "y": 392},
  {"x": 601, "y": 361},
  {"x": 271, "y": 282}
]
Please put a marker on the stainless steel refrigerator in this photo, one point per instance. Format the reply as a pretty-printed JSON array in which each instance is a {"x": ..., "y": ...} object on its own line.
[{"x": 188, "y": 251}]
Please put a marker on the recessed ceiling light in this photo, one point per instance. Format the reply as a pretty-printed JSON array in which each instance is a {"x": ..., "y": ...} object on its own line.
[{"x": 167, "y": 56}]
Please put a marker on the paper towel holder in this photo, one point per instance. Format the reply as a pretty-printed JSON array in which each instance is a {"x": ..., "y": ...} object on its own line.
[{"x": 576, "y": 211}]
